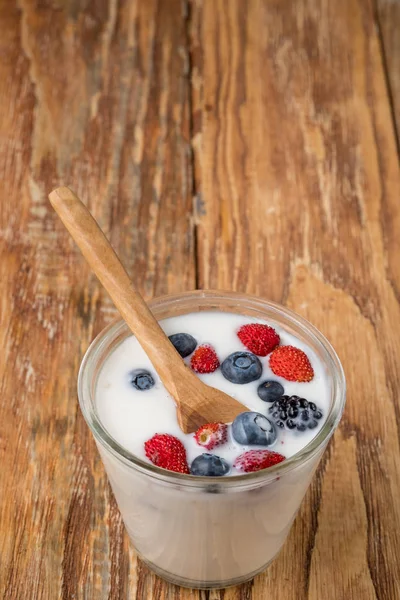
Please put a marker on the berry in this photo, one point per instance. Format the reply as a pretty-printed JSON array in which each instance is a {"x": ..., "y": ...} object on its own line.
[
  {"x": 241, "y": 367},
  {"x": 209, "y": 465},
  {"x": 168, "y": 452},
  {"x": 184, "y": 343},
  {"x": 291, "y": 363},
  {"x": 211, "y": 435},
  {"x": 204, "y": 359},
  {"x": 259, "y": 339},
  {"x": 294, "y": 413},
  {"x": 141, "y": 379},
  {"x": 253, "y": 429},
  {"x": 270, "y": 390},
  {"x": 255, "y": 460}
]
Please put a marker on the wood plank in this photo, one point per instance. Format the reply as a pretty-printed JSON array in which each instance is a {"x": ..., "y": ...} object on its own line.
[
  {"x": 388, "y": 17},
  {"x": 297, "y": 195},
  {"x": 94, "y": 94},
  {"x": 291, "y": 113}
]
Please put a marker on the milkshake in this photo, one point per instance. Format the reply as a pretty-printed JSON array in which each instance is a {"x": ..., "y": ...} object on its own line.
[{"x": 213, "y": 508}]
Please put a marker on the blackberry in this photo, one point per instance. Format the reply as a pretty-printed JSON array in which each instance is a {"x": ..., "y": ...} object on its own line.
[{"x": 293, "y": 412}]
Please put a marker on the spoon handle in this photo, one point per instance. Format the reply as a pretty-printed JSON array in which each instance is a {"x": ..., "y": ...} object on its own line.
[{"x": 106, "y": 265}]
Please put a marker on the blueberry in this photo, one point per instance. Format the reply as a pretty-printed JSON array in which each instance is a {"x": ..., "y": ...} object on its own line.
[
  {"x": 312, "y": 424},
  {"x": 184, "y": 343},
  {"x": 209, "y": 465},
  {"x": 318, "y": 414},
  {"x": 141, "y": 379},
  {"x": 270, "y": 390},
  {"x": 312, "y": 406},
  {"x": 303, "y": 403},
  {"x": 241, "y": 367},
  {"x": 253, "y": 429}
]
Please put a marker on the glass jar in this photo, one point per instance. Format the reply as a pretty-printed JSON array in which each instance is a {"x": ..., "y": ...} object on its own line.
[{"x": 200, "y": 532}]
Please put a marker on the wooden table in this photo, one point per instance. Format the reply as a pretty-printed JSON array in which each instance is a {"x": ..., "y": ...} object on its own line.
[{"x": 237, "y": 144}]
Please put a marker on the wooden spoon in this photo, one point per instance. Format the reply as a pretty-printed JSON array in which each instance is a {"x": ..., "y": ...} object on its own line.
[{"x": 196, "y": 402}]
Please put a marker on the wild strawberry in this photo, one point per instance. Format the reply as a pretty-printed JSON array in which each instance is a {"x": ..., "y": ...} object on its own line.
[
  {"x": 211, "y": 435},
  {"x": 204, "y": 359},
  {"x": 291, "y": 363},
  {"x": 258, "y": 338},
  {"x": 168, "y": 452},
  {"x": 255, "y": 460}
]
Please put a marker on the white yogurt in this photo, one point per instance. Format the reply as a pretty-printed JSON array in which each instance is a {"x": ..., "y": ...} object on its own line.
[{"x": 132, "y": 416}]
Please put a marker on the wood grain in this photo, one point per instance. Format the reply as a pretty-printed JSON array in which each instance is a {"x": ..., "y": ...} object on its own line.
[
  {"x": 388, "y": 20},
  {"x": 298, "y": 194},
  {"x": 95, "y": 93},
  {"x": 295, "y": 181},
  {"x": 196, "y": 402}
]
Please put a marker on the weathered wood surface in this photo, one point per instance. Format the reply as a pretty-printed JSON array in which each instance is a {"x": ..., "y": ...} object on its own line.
[
  {"x": 388, "y": 19},
  {"x": 296, "y": 187},
  {"x": 94, "y": 94}
]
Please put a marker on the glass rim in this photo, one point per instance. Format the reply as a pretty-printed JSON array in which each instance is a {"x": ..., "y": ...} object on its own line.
[{"x": 101, "y": 435}]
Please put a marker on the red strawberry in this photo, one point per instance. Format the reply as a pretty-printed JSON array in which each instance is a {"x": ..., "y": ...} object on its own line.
[
  {"x": 291, "y": 363},
  {"x": 168, "y": 452},
  {"x": 204, "y": 359},
  {"x": 255, "y": 460},
  {"x": 259, "y": 339},
  {"x": 211, "y": 435}
]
